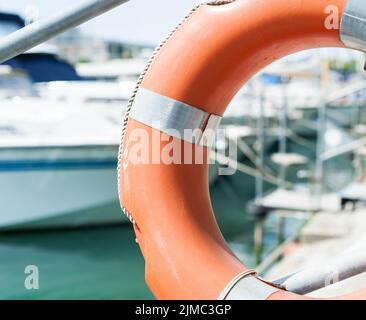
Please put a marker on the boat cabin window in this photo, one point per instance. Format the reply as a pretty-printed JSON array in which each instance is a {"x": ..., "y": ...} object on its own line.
[
  {"x": 44, "y": 67},
  {"x": 10, "y": 23},
  {"x": 15, "y": 84},
  {"x": 7, "y": 28}
]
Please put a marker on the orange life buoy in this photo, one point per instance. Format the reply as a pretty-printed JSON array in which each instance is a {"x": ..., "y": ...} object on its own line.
[{"x": 188, "y": 84}]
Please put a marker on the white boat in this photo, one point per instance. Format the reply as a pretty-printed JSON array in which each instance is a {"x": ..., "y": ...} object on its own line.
[{"x": 57, "y": 160}]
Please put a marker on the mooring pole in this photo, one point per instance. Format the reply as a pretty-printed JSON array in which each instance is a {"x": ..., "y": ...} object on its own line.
[
  {"x": 319, "y": 163},
  {"x": 260, "y": 140},
  {"x": 258, "y": 240},
  {"x": 259, "y": 223},
  {"x": 44, "y": 29},
  {"x": 283, "y": 131}
]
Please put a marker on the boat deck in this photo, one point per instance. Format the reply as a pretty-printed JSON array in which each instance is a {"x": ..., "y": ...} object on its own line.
[{"x": 355, "y": 192}]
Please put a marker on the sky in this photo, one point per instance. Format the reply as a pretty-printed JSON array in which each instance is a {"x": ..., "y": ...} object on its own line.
[{"x": 138, "y": 21}]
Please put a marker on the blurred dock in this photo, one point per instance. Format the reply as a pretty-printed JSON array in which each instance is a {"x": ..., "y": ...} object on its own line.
[{"x": 299, "y": 200}]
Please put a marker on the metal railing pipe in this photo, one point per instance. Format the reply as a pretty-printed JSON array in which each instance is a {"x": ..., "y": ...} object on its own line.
[
  {"x": 309, "y": 280},
  {"x": 44, "y": 29}
]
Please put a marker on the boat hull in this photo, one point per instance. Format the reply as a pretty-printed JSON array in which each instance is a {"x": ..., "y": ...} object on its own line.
[{"x": 58, "y": 187}]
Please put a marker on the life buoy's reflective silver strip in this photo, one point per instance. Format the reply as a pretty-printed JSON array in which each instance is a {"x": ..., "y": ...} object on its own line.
[
  {"x": 353, "y": 25},
  {"x": 246, "y": 286},
  {"x": 174, "y": 118}
]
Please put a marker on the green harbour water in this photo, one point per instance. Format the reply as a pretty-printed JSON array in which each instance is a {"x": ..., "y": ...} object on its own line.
[{"x": 98, "y": 263}]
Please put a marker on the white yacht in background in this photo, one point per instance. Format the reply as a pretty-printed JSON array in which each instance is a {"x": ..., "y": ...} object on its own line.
[
  {"x": 57, "y": 160},
  {"x": 70, "y": 86}
]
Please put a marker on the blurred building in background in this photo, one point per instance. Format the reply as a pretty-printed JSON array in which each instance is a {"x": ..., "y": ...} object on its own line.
[{"x": 77, "y": 47}]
